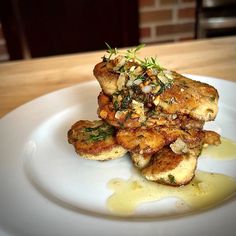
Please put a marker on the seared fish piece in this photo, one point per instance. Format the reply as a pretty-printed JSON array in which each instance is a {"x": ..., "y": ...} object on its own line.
[
  {"x": 167, "y": 167},
  {"x": 139, "y": 160},
  {"x": 126, "y": 118},
  {"x": 194, "y": 98},
  {"x": 140, "y": 141},
  {"x": 106, "y": 78},
  {"x": 155, "y": 87},
  {"x": 148, "y": 141},
  {"x": 211, "y": 138},
  {"x": 95, "y": 140},
  {"x": 180, "y": 142}
]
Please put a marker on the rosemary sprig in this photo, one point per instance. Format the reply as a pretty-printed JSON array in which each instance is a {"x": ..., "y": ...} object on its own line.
[
  {"x": 131, "y": 53},
  {"x": 150, "y": 63},
  {"x": 111, "y": 51}
]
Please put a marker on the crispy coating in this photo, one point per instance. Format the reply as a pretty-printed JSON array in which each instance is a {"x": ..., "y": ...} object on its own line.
[
  {"x": 175, "y": 164},
  {"x": 185, "y": 96},
  {"x": 95, "y": 140},
  {"x": 194, "y": 98},
  {"x": 106, "y": 78},
  {"x": 141, "y": 141},
  {"x": 211, "y": 138},
  {"x": 149, "y": 141},
  {"x": 156, "y": 114},
  {"x": 169, "y": 168},
  {"x": 139, "y": 160},
  {"x": 107, "y": 112},
  {"x": 192, "y": 138},
  {"x": 180, "y": 142}
]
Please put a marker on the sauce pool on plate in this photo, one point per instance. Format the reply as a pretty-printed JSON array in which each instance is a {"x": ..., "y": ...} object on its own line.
[
  {"x": 225, "y": 151},
  {"x": 201, "y": 193}
]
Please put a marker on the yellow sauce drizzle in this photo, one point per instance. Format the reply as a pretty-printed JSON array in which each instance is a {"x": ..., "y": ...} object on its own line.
[
  {"x": 225, "y": 151},
  {"x": 205, "y": 190}
]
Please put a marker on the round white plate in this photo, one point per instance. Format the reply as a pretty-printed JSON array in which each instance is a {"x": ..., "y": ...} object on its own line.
[{"x": 45, "y": 189}]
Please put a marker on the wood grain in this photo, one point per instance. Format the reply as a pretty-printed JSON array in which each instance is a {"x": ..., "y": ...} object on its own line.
[{"x": 22, "y": 81}]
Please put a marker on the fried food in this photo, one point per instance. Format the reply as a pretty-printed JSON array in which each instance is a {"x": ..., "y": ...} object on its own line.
[
  {"x": 211, "y": 138},
  {"x": 148, "y": 141},
  {"x": 169, "y": 168},
  {"x": 106, "y": 78},
  {"x": 95, "y": 140},
  {"x": 175, "y": 164},
  {"x": 140, "y": 160},
  {"x": 155, "y": 114},
  {"x": 136, "y": 89},
  {"x": 129, "y": 119},
  {"x": 141, "y": 141},
  {"x": 196, "y": 99}
]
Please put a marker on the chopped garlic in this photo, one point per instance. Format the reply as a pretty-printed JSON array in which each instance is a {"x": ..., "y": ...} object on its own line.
[
  {"x": 138, "y": 70},
  {"x": 162, "y": 77},
  {"x": 168, "y": 74},
  {"x": 119, "y": 114},
  {"x": 121, "y": 81},
  {"x": 147, "y": 89},
  {"x": 121, "y": 60},
  {"x": 103, "y": 114},
  {"x": 156, "y": 100},
  {"x": 138, "y": 108},
  {"x": 179, "y": 146}
]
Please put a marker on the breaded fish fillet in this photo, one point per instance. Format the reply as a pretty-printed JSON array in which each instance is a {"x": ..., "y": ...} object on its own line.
[
  {"x": 141, "y": 141},
  {"x": 169, "y": 168},
  {"x": 194, "y": 98},
  {"x": 140, "y": 160},
  {"x": 106, "y": 77},
  {"x": 128, "y": 119},
  {"x": 95, "y": 140},
  {"x": 175, "y": 164},
  {"x": 180, "y": 96},
  {"x": 149, "y": 141}
]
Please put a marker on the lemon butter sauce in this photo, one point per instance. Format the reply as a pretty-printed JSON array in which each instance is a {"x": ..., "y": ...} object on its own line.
[
  {"x": 204, "y": 191},
  {"x": 225, "y": 151}
]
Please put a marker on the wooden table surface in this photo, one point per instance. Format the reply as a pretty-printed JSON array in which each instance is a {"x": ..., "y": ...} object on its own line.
[{"x": 22, "y": 81}]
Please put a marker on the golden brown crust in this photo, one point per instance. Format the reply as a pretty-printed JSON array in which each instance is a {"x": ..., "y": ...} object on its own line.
[
  {"x": 107, "y": 112},
  {"x": 184, "y": 96},
  {"x": 140, "y": 160},
  {"x": 192, "y": 137},
  {"x": 84, "y": 135},
  {"x": 106, "y": 78},
  {"x": 141, "y": 141},
  {"x": 155, "y": 114},
  {"x": 194, "y": 98},
  {"x": 211, "y": 138},
  {"x": 169, "y": 168}
]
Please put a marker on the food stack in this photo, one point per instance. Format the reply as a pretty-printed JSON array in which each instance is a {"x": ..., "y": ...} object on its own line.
[{"x": 154, "y": 114}]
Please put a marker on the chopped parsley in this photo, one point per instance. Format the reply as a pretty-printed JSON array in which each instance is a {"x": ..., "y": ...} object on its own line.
[
  {"x": 99, "y": 133},
  {"x": 171, "y": 179},
  {"x": 125, "y": 102}
]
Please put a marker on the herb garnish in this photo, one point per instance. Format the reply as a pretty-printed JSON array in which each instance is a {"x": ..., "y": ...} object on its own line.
[
  {"x": 171, "y": 178},
  {"x": 111, "y": 51},
  {"x": 125, "y": 102},
  {"x": 150, "y": 63},
  {"x": 99, "y": 133},
  {"x": 131, "y": 53}
]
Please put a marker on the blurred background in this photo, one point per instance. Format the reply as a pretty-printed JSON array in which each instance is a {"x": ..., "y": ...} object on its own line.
[{"x": 39, "y": 28}]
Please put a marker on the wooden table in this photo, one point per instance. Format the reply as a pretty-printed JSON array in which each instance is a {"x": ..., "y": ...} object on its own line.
[{"x": 22, "y": 81}]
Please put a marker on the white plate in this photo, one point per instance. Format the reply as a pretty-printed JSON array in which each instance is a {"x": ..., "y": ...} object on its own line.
[{"x": 46, "y": 190}]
